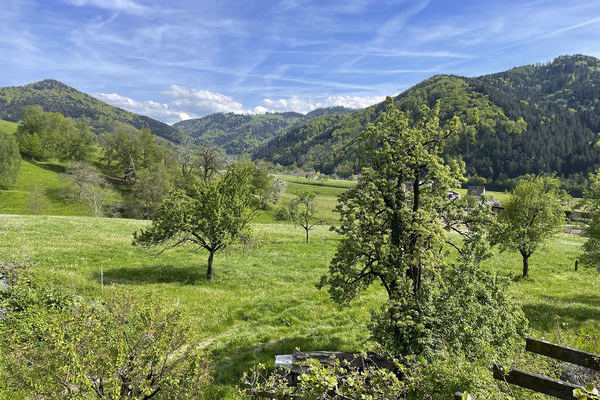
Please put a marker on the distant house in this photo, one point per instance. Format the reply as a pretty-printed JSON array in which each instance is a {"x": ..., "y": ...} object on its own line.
[
  {"x": 475, "y": 191},
  {"x": 452, "y": 195}
]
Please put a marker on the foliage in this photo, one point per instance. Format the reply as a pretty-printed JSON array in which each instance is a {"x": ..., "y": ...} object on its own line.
[
  {"x": 591, "y": 248},
  {"x": 531, "y": 216},
  {"x": 212, "y": 216},
  {"x": 56, "y": 97},
  {"x": 413, "y": 378},
  {"x": 126, "y": 150},
  {"x": 10, "y": 159},
  {"x": 151, "y": 186},
  {"x": 394, "y": 223},
  {"x": 59, "y": 347},
  {"x": 332, "y": 380},
  {"x": 44, "y": 135}
]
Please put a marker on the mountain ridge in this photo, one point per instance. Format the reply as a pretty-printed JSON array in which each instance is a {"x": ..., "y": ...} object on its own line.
[
  {"x": 528, "y": 119},
  {"x": 56, "y": 96},
  {"x": 243, "y": 133}
]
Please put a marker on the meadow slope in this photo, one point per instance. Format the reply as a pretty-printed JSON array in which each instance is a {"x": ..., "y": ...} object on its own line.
[{"x": 263, "y": 300}]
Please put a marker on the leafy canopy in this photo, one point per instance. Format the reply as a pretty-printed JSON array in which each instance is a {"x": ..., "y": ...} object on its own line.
[
  {"x": 211, "y": 216},
  {"x": 394, "y": 225},
  {"x": 532, "y": 215}
]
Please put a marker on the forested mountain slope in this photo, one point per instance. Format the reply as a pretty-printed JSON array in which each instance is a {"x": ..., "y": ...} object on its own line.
[
  {"x": 530, "y": 119},
  {"x": 55, "y": 96},
  {"x": 243, "y": 133}
]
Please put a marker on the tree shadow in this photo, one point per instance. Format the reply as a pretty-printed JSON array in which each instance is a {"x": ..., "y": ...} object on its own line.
[
  {"x": 589, "y": 299},
  {"x": 230, "y": 363},
  {"x": 59, "y": 169},
  {"x": 544, "y": 317},
  {"x": 153, "y": 274}
]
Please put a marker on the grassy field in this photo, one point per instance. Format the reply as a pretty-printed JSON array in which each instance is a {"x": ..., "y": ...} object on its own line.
[
  {"x": 263, "y": 301},
  {"x": 7, "y": 126},
  {"x": 46, "y": 176}
]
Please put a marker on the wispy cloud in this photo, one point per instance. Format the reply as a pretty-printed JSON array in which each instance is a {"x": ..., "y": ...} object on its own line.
[{"x": 128, "y": 6}]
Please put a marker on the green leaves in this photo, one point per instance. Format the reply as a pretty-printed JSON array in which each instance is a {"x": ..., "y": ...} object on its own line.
[
  {"x": 212, "y": 216},
  {"x": 531, "y": 216},
  {"x": 588, "y": 392}
]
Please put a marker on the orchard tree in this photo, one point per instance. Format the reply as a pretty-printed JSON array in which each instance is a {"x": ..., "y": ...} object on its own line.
[
  {"x": 394, "y": 225},
  {"x": 211, "y": 216},
  {"x": 209, "y": 161},
  {"x": 531, "y": 216},
  {"x": 10, "y": 160},
  {"x": 81, "y": 173},
  {"x": 302, "y": 211}
]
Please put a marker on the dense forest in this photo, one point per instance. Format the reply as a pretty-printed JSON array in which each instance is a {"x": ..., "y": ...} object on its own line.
[
  {"x": 530, "y": 119},
  {"x": 57, "y": 97},
  {"x": 243, "y": 133}
]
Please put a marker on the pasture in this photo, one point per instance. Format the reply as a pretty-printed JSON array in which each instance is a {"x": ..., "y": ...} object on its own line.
[{"x": 263, "y": 300}]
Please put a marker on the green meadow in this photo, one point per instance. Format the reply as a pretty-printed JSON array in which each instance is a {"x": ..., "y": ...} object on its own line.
[{"x": 264, "y": 300}]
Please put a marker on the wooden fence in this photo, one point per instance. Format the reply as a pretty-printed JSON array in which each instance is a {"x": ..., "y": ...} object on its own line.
[{"x": 543, "y": 384}]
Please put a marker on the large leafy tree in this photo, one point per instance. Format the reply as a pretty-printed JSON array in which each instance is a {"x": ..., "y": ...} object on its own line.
[
  {"x": 10, "y": 159},
  {"x": 211, "y": 216},
  {"x": 531, "y": 216},
  {"x": 394, "y": 225},
  {"x": 391, "y": 219}
]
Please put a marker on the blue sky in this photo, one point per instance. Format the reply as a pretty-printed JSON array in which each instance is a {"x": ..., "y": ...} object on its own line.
[{"x": 175, "y": 60}]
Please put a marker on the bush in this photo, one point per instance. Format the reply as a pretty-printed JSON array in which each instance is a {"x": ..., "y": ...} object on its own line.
[
  {"x": 56, "y": 346},
  {"x": 469, "y": 313}
]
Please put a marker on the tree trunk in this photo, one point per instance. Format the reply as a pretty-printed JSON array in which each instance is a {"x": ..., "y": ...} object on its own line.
[
  {"x": 525, "y": 265},
  {"x": 209, "y": 269},
  {"x": 306, "y": 235}
]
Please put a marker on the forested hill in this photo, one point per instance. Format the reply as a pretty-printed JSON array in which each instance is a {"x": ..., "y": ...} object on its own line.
[
  {"x": 243, "y": 133},
  {"x": 530, "y": 119},
  {"x": 55, "y": 96}
]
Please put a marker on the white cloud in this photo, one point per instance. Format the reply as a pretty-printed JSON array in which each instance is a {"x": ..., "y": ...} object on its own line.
[
  {"x": 162, "y": 112},
  {"x": 187, "y": 103},
  {"x": 202, "y": 101},
  {"x": 304, "y": 106},
  {"x": 113, "y": 5}
]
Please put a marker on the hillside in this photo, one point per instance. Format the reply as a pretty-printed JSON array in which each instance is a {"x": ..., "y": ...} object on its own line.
[
  {"x": 243, "y": 133},
  {"x": 55, "y": 96},
  {"x": 530, "y": 119}
]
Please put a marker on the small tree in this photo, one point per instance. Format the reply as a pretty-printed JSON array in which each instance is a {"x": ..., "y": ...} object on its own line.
[
  {"x": 36, "y": 200},
  {"x": 302, "y": 211},
  {"x": 81, "y": 173},
  {"x": 532, "y": 215},
  {"x": 212, "y": 216},
  {"x": 10, "y": 160}
]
